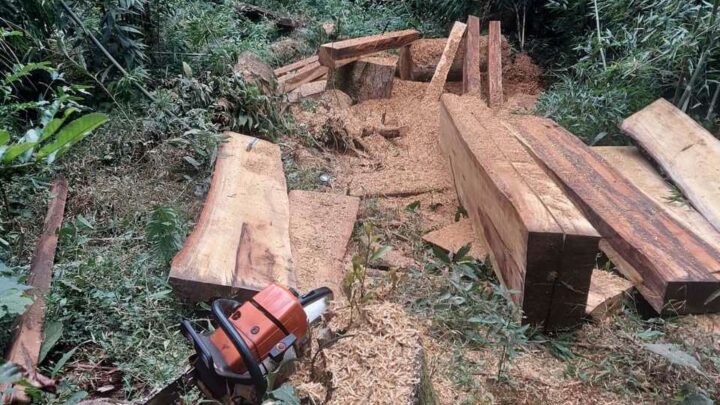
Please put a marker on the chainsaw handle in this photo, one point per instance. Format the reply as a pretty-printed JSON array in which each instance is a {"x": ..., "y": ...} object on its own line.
[
  {"x": 218, "y": 309},
  {"x": 314, "y": 295}
]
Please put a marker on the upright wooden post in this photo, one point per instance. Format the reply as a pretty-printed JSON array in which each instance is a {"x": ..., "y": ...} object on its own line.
[
  {"x": 495, "y": 88},
  {"x": 471, "y": 64},
  {"x": 437, "y": 84},
  {"x": 405, "y": 63}
]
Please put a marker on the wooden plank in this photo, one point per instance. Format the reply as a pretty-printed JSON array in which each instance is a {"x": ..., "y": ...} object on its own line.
[
  {"x": 678, "y": 268},
  {"x": 291, "y": 81},
  {"x": 405, "y": 63},
  {"x": 321, "y": 225},
  {"x": 630, "y": 163},
  {"x": 241, "y": 241},
  {"x": 330, "y": 53},
  {"x": 686, "y": 151},
  {"x": 539, "y": 243},
  {"x": 437, "y": 84},
  {"x": 294, "y": 66},
  {"x": 471, "y": 63},
  {"x": 495, "y": 85},
  {"x": 25, "y": 347},
  {"x": 307, "y": 90},
  {"x": 606, "y": 294},
  {"x": 453, "y": 237}
]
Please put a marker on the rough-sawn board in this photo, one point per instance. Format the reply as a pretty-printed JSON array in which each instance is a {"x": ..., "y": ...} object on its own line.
[{"x": 241, "y": 242}]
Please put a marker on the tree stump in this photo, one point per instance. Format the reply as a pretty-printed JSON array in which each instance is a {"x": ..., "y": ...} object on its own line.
[{"x": 366, "y": 79}]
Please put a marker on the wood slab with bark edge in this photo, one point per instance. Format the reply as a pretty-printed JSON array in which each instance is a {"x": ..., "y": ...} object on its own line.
[
  {"x": 453, "y": 237},
  {"x": 686, "y": 151},
  {"x": 495, "y": 84},
  {"x": 321, "y": 225},
  {"x": 25, "y": 347},
  {"x": 679, "y": 270},
  {"x": 241, "y": 241},
  {"x": 639, "y": 171},
  {"x": 540, "y": 244},
  {"x": 437, "y": 84},
  {"x": 329, "y": 54},
  {"x": 606, "y": 294},
  {"x": 471, "y": 64},
  {"x": 279, "y": 72}
]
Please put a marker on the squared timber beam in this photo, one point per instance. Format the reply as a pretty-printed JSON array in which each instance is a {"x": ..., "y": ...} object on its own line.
[{"x": 330, "y": 53}]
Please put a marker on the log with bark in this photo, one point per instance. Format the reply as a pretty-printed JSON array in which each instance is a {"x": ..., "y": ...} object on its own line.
[{"x": 368, "y": 78}]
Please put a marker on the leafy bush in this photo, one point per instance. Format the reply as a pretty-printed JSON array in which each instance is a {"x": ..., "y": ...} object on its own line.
[
  {"x": 644, "y": 50},
  {"x": 165, "y": 232}
]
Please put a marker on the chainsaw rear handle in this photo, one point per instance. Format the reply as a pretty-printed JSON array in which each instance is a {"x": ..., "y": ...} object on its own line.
[
  {"x": 315, "y": 295},
  {"x": 220, "y": 308}
]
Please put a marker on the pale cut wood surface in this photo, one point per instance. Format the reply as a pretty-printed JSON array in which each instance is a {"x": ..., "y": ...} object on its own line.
[
  {"x": 330, "y": 53},
  {"x": 456, "y": 235},
  {"x": 309, "y": 73},
  {"x": 307, "y": 90},
  {"x": 437, "y": 84},
  {"x": 630, "y": 163},
  {"x": 321, "y": 225},
  {"x": 294, "y": 66},
  {"x": 678, "y": 267},
  {"x": 241, "y": 241},
  {"x": 606, "y": 294},
  {"x": 495, "y": 84},
  {"x": 540, "y": 244},
  {"x": 686, "y": 151},
  {"x": 471, "y": 64},
  {"x": 25, "y": 347}
]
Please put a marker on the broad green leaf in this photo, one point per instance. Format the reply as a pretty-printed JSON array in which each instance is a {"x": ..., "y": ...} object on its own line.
[
  {"x": 673, "y": 354},
  {"x": 55, "y": 124},
  {"x": 462, "y": 252},
  {"x": 51, "y": 334},
  {"x": 73, "y": 133},
  {"x": 61, "y": 363},
  {"x": 14, "y": 151},
  {"x": 4, "y": 137},
  {"x": 13, "y": 300}
]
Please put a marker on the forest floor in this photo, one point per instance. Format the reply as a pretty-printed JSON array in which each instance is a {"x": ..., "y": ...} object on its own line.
[{"x": 113, "y": 318}]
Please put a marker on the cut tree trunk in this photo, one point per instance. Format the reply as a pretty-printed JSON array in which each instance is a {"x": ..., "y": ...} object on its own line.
[
  {"x": 368, "y": 78},
  {"x": 329, "y": 54},
  {"x": 539, "y": 242},
  {"x": 687, "y": 152},
  {"x": 321, "y": 225},
  {"x": 679, "y": 270},
  {"x": 437, "y": 84},
  {"x": 241, "y": 242},
  {"x": 495, "y": 84},
  {"x": 471, "y": 63},
  {"x": 25, "y": 347}
]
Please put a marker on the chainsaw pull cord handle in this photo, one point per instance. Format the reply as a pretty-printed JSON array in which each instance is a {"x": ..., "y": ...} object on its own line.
[{"x": 218, "y": 309}]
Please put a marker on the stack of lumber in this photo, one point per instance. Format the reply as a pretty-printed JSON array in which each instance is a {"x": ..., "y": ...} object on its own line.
[
  {"x": 676, "y": 270},
  {"x": 540, "y": 244}
]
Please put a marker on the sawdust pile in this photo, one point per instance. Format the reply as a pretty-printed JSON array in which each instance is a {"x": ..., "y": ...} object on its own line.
[{"x": 380, "y": 362}]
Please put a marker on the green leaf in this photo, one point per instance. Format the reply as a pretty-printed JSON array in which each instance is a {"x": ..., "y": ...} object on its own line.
[
  {"x": 673, "y": 354},
  {"x": 15, "y": 150},
  {"x": 441, "y": 254},
  {"x": 4, "y": 137},
  {"x": 462, "y": 252},
  {"x": 380, "y": 253},
  {"x": 52, "y": 333},
  {"x": 73, "y": 133},
  {"x": 413, "y": 206},
  {"x": 13, "y": 300},
  {"x": 55, "y": 124},
  {"x": 285, "y": 395},
  {"x": 20, "y": 71},
  {"x": 61, "y": 363},
  {"x": 76, "y": 398}
]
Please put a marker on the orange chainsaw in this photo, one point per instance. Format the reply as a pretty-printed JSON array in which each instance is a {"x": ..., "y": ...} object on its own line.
[{"x": 230, "y": 364}]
